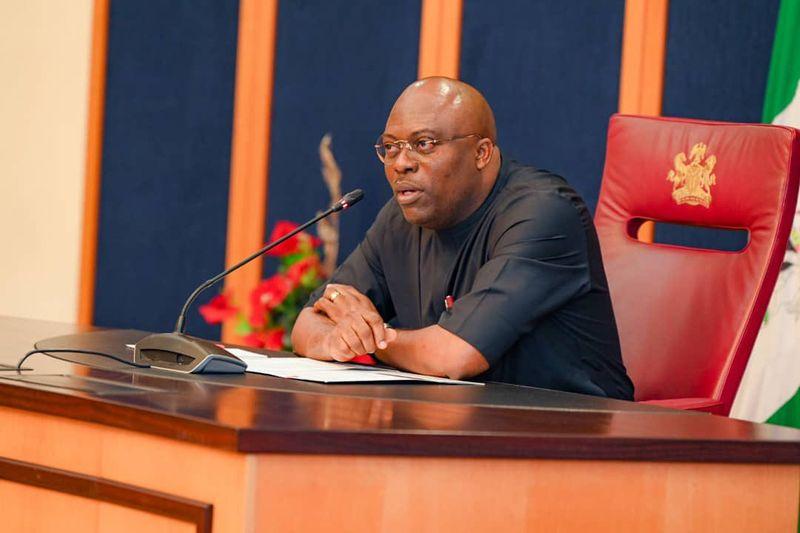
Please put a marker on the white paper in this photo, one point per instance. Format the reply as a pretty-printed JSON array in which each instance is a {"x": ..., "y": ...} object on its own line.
[
  {"x": 244, "y": 354},
  {"x": 329, "y": 372}
]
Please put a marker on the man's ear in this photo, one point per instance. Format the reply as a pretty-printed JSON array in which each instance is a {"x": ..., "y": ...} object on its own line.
[{"x": 483, "y": 153}]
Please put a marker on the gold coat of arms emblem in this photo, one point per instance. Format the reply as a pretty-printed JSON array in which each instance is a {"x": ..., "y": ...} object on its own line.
[{"x": 693, "y": 177}]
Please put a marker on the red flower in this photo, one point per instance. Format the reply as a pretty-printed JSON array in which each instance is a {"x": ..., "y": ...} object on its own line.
[
  {"x": 268, "y": 295},
  {"x": 297, "y": 270},
  {"x": 272, "y": 339},
  {"x": 293, "y": 245},
  {"x": 218, "y": 310}
]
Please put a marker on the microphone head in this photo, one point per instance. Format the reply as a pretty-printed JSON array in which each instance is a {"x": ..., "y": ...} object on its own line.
[{"x": 349, "y": 199}]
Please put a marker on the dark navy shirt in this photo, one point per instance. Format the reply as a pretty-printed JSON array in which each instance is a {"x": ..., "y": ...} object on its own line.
[{"x": 526, "y": 277}]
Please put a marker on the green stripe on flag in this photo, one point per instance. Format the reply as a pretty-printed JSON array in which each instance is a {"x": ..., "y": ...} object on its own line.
[
  {"x": 770, "y": 387},
  {"x": 784, "y": 69},
  {"x": 789, "y": 413}
]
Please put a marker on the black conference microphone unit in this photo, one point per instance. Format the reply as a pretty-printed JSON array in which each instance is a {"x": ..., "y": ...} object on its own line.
[{"x": 183, "y": 353}]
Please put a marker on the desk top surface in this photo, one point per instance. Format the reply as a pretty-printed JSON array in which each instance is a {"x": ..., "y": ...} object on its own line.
[{"x": 254, "y": 413}]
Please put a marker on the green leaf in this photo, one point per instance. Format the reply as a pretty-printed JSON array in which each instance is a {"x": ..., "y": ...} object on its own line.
[
  {"x": 243, "y": 328},
  {"x": 291, "y": 259}
]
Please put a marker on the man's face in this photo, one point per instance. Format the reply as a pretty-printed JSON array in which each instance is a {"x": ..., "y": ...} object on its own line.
[{"x": 432, "y": 190}]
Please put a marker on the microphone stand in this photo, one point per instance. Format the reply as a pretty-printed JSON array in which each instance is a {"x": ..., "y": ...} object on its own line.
[{"x": 179, "y": 352}]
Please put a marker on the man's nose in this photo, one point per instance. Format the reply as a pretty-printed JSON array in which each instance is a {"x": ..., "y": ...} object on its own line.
[{"x": 404, "y": 162}]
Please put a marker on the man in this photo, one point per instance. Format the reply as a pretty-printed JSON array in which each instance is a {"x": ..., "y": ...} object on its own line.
[{"x": 487, "y": 269}]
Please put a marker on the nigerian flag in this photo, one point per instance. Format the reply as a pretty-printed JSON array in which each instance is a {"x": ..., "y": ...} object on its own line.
[{"x": 770, "y": 389}]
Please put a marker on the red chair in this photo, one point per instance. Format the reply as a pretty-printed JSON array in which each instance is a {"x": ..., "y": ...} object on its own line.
[{"x": 688, "y": 317}]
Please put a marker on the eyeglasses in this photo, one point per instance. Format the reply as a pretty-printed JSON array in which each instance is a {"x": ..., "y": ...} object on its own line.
[{"x": 389, "y": 150}]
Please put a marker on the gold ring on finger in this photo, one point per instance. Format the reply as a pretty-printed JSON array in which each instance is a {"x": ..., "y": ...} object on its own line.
[{"x": 335, "y": 294}]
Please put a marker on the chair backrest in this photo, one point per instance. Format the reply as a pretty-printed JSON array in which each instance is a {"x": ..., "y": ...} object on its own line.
[{"x": 688, "y": 317}]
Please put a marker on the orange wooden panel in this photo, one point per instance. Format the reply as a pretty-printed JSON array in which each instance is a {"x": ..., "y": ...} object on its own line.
[
  {"x": 94, "y": 152},
  {"x": 247, "y": 203},
  {"x": 641, "y": 84},
  {"x": 328, "y": 493},
  {"x": 643, "y": 51},
  {"x": 440, "y": 38}
]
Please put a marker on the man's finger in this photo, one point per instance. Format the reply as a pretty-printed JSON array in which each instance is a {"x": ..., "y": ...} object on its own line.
[
  {"x": 375, "y": 322},
  {"x": 334, "y": 291},
  {"x": 364, "y": 332},
  {"x": 352, "y": 339},
  {"x": 391, "y": 333},
  {"x": 333, "y": 311},
  {"x": 340, "y": 350},
  {"x": 330, "y": 288},
  {"x": 355, "y": 298},
  {"x": 347, "y": 298},
  {"x": 355, "y": 294}
]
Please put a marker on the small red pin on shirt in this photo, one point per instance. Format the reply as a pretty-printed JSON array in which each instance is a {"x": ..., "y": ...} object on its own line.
[{"x": 448, "y": 303}]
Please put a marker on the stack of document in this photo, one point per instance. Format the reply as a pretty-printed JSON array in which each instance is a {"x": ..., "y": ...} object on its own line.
[{"x": 330, "y": 372}]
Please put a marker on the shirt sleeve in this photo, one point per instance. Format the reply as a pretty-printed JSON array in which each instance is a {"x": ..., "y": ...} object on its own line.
[
  {"x": 363, "y": 270},
  {"x": 537, "y": 262}
]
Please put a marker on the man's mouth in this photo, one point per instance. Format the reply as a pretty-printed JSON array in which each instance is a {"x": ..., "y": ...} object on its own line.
[{"x": 407, "y": 194}]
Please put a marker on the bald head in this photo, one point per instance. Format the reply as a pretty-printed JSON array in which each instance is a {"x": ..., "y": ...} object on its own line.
[
  {"x": 444, "y": 158},
  {"x": 458, "y": 106}
]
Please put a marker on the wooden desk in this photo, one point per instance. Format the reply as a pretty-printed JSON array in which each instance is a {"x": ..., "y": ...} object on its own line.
[{"x": 118, "y": 449}]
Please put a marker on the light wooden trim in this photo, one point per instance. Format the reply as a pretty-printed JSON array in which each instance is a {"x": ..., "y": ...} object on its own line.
[
  {"x": 194, "y": 512},
  {"x": 94, "y": 154},
  {"x": 641, "y": 84},
  {"x": 440, "y": 38},
  {"x": 643, "y": 51},
  {"x": 646, "y": 232},
  {"x": 247, "y": 203}
]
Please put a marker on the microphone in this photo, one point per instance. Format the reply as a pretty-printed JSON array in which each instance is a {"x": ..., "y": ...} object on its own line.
[
  {"x": 347, "y": 200},
  {"x": 179, "y": 352}
]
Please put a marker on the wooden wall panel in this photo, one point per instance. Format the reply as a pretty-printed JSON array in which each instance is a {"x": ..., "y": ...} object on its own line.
[
  {"x": 641, "y": 84},
  {"x": 247, "y": 204},
  {"x": 440, "y": 38},
  {"x": 94, "y": 153}
]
